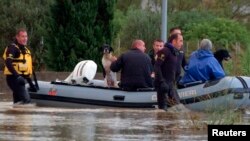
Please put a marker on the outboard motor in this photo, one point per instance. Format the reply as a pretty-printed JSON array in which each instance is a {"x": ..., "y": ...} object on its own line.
[{"x": 84, "y": 72}]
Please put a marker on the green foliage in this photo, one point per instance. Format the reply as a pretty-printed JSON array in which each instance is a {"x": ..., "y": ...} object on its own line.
[
  {"x": 118, "y": 21},
  {"x": 29, "y": 14},
  {"x": 183, "y": 5},
  {"x": 123, "y": 5},
  {"x": 222, "y": 32},
  {"x": 140, "y": 24},
  {"x": 224, "y": 116},
  {"x": 245, "y": 68},
  {"x": 78, "y": 30},
  {"x": 184, "y": 19}
]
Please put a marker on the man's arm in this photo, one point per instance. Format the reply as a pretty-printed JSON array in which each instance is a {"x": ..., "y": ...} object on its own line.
[
  {"x": 157, "y": 67},
  {"x": 10, "y": 52},
  {"x": 116, "y": 65},
  {"x": 184, "y": 61}
]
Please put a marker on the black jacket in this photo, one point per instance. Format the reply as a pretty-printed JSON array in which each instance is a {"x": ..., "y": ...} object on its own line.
[
  {"x": 151, "y": 54},
  {"x": 166, "y": 65},
  {"x": 136, "y": 69},
  {"x": 181, "y": 63}
]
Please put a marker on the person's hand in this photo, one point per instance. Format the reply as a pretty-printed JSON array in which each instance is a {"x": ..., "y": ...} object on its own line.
[
  {"x": 32, "y": 89},
  {"x": 20, "y": 80},
  {"x": 153, "y": 75},
  {"x": 113, "y": 58},
  {"x": 164, "y": 86}
]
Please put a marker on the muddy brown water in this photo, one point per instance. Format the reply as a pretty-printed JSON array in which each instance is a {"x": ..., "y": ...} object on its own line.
[{"x": 101, "y": 124}]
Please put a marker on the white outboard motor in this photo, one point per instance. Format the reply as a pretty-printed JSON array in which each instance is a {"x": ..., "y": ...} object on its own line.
[{"x": 84, "y": 72}]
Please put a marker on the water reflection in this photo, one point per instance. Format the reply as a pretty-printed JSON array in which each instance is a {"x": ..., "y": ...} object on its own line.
[
  {"x": 58, "y": 124},
  {"x": 93, "y": 125}
]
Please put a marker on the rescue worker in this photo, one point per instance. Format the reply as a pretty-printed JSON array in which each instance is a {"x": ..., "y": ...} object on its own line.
[
  {"x": 18, "y": 67},
  {"x": 181, "y": 63},
  {"x": 165, "y": 72}
]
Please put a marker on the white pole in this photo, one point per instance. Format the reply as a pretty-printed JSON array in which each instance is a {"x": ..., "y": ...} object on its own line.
[{"x": 164, "y": 20}]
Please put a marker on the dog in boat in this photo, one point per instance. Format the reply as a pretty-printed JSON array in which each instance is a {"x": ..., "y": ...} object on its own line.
[
  {"x": 222, "y": 54},
  {"x": 110, "y": 79}
]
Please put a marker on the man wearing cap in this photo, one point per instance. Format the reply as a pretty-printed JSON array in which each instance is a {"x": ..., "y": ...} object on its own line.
[{"x": 202, "y": 65}]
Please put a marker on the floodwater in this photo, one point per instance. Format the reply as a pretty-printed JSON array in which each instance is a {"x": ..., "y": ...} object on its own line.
[
  {"x": 104, "y": 124},
  {"x": 100, "y": 124}
]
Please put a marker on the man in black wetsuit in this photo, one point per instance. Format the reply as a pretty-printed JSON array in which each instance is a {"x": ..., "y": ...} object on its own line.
[
  {"x": 135, "y": 66},
  {"x": 165, "y": 72}
]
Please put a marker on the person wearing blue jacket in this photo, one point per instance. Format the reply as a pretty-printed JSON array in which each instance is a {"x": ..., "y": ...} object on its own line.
[{"x": 202, "y": 65}]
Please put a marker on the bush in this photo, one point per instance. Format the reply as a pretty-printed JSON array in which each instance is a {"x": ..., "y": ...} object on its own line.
[
  {"x": 222, "y": 32},
  {"x": 139, "y": 24}
]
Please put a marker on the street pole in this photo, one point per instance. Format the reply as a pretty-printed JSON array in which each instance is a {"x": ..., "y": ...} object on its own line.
[{"x": 164, "y": 26}]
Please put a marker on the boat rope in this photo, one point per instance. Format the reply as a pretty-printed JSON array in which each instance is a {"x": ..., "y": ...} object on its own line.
[{"x": 243, "y": 82}]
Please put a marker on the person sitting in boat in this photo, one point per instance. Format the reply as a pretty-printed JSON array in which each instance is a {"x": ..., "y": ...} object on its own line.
[
  {"x": 203, "y": 65},
  {"x": 157, "y": 45},
  {"x": 135, "y": 66}
]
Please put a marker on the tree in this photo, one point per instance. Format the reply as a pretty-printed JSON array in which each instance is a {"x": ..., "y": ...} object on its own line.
[
  {"x": 183, "y": 5},
  {"x": 140, "y": 24},
  {"x": 124, "y": 5},
  {"x": 222, "y": 32},
  {"x": 78, "y": 29},
  {"x": 234, "y": 9},
  {"x": 29, "y": 14},
  {"x": 185, "y": 18}
]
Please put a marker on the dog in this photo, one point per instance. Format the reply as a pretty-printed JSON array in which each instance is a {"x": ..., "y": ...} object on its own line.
[
  {"x": 110, "y": 79},
  {"x": 222, "y": 54}
]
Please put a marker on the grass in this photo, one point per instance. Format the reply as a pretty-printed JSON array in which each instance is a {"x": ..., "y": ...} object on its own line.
[{"x": 200, "y": 121}]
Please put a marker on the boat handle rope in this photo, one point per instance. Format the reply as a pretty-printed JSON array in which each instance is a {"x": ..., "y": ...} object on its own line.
[{"x": 243, "y": 82}]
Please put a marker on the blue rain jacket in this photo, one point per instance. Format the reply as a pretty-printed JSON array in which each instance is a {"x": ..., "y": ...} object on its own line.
[{"x": 202, "y": 66}]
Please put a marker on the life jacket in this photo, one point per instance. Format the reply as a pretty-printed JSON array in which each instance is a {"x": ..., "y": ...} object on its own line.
[{"x": 22, "y": 64}]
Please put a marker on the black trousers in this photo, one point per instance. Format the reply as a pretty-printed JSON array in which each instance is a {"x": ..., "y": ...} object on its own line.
[
  {"x": 20, "y": 93},
  {"x": 167, "y": 98}
]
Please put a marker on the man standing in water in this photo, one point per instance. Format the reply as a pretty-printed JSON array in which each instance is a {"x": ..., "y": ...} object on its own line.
[
  {"x": 181, "y": 63},
  {"x": 165, "y": 72},
  {"x": 18, "y": 67}
]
